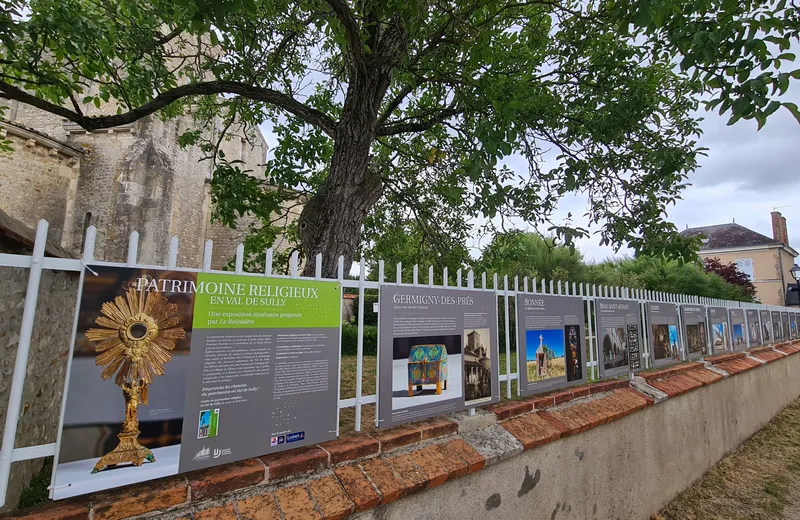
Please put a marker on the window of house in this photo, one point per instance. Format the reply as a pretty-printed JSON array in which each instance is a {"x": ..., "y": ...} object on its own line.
[{"x": 745, "y": 265}]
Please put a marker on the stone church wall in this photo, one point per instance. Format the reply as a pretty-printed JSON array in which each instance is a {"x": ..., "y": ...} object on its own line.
[{"x": 38, "y": 169}]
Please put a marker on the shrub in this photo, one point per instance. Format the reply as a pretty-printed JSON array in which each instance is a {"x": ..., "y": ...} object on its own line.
[{"x": 350, "y": 340}]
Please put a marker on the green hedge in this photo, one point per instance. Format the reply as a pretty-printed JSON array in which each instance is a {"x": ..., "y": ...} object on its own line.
[{"x": 350, "y": 340}]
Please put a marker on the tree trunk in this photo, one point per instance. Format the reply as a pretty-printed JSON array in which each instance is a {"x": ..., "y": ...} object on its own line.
[{"x": 331, "y": 221}]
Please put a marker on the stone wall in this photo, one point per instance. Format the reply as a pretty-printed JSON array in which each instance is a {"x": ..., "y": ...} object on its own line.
[
  {"x": 37, "y": 178},
  {"x": 136, "y": 178},
  {"x": 41, "y": 401}
]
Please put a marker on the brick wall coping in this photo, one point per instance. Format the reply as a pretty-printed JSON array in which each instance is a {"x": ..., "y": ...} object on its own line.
[{"x": 336, "y": 479}]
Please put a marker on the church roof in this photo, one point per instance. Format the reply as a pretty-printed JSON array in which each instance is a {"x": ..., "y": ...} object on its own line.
[{"x": 730, "y": 235}]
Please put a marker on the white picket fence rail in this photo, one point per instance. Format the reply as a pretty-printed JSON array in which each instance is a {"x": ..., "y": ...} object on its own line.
[{"x": 37, "y": 262}]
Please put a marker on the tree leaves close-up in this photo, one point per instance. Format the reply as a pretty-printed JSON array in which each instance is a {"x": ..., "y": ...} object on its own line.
[{"x": 396, "y": 119}]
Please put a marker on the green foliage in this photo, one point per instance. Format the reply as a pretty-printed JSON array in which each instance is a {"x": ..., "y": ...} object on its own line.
[
  {"x": 659, "y": 274},
  {"x": 738, "y": 49},
  {"x": 350, "y": 340},
  {"x": 522, "y": 254},
  {"x": 391, "y": 113},
  {"x": 527, "y": 254},
  {"x": 370, "y": 316}
]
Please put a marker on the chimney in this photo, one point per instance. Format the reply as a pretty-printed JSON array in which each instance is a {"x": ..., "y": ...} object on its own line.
[
  {"x": 785, "y": 232},
  {"x": 779, "y": 232}
]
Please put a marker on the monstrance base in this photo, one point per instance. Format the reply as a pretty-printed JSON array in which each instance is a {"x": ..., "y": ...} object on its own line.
[{"x": 127, "y": 451}]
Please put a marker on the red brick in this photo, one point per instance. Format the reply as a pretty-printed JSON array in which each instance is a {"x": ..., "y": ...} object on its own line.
[
  {"x": 562, "y": 397},
  {"x": 223, "y": 512},
  {"x": 389, "y": 485},
  {"x": 296, "y": 503},
  {"x": 436, "y": 427},
  {"x": 728, "y": 356},
  {"x": 258, "y": 507},
  {"x": 137, "y": 500},
  {"x": 706, "y": 377},
  {"x": 510, "y": 409},
  {"x": 571, "y": 418},
  {"x": 541, "y": 403},
  {"x": 607, "y": 386},
  {"x": 351, "y": 448},
  {"x": 333, "y": 502},
  {"x": 358, "y": 488},
  {"x": 768, "y": 355},
  {"x": 599, "y": 411},
  {"x": 582, "y": 391},
  {"x": 55, "y": 511},
  {"x": 456, "y": 466},
  {"x": 459, "y": 448},
  {"x": 294, "y": 462},
  {"x": 413, "y": 478},
  {"x": 431, "y": 461},
  {"x": 222, "y": 479},
  {"x": 532, "y": 430},
  {"x": 397, "y": 437}
]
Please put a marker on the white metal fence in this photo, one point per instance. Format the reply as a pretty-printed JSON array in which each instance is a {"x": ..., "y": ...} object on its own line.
[{"x": 508, "y": 289}]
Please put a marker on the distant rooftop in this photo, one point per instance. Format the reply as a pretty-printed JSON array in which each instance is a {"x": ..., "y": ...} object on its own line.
[{"x": 724, "y": 236}]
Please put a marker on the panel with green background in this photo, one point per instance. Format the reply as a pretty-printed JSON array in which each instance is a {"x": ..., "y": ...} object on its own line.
[{"x": 225, "y": 301}]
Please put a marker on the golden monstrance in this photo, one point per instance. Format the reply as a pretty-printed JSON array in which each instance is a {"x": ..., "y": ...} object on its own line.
[{"x": 139, "y": 331}]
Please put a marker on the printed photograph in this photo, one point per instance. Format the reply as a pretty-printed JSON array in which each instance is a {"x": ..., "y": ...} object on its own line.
[
  {"x": 477, "y": 366},
  {"x": 793, "y": 325},
  {"x": 703, "y": 336},
  {"x": 776, "y": 329},
  {"x": 695, "y": 339},
  {"x": 767, "y": 328},
  {"x": 786, "y": 329},
  {"x": 719, "y": 336},
  {"x": 673, "y": 342},
  {"x": 573, "y": 354},
  {"x": 755, "y": 333},
  {"x": 125, "y": 397},
  {"x": 209, "y": 424},
  {"x": 661, "y": 341},
  {"x": 615, "y": 348},
  {"x": 426, "y": 369},
  {"x": 738, "y": 335},
  {"x": 545, "y": 354}
]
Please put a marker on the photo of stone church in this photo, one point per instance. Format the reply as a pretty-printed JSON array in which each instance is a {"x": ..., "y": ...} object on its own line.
[{"x": 477, "y": 366}]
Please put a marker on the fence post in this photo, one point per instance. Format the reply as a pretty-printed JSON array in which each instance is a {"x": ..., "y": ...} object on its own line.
[
  {"x": 172, "y": 259},
  {"x": 508, "y": 339},
  {"x": 360, "y": 344},
  {"x": 21, "y": 360}
]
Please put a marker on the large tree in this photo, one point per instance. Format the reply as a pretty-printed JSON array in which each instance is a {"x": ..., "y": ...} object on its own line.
[{"x": 418, "y": 104}]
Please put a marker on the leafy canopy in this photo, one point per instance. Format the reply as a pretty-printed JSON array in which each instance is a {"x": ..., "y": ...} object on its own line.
[{"x": 414, "y": 107}]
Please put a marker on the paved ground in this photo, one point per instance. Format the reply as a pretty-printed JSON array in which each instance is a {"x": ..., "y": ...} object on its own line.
[{"x": 759, "y": 480}]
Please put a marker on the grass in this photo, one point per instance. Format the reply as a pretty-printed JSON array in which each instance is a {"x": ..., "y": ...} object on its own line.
[
  {"x": 758, "y": 480},
  {"x": 37, "y": 493}
]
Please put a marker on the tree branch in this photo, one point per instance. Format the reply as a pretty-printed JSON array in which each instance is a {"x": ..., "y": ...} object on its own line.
[
  {"x": 351, "y": 29},
  {"x": 309, "y": 115},
  {"x": 418, "y": 126}
]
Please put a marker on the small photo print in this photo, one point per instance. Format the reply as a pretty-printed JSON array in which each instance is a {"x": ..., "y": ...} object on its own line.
[
  {"x": 767, "y": 331},
  {"x": 755, "y": 333},
  {"x": 673, "y": 342},
  {"x": 695, "y": 339},
  {"x": 661, "y": 341},
  {"x": 738, "y": 334},
  {"x": 720, "y": 336},
  {"x": 477, "y": 366},
  {"x": 208, "y": 426},
  {"x": 574, "y": 353},
  {"x": 615, "y": 347},
  {"x": 545, "y": 354}
]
